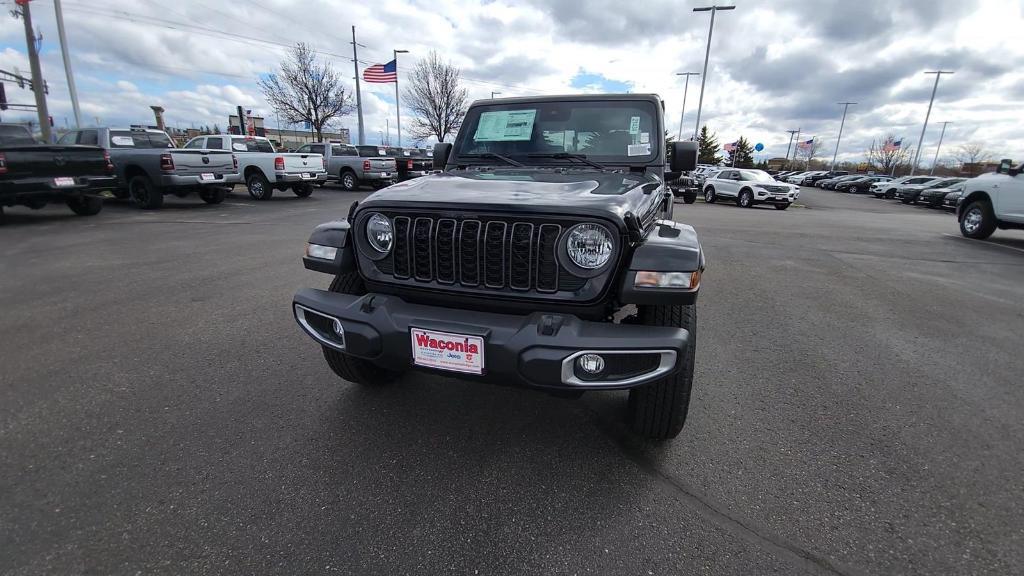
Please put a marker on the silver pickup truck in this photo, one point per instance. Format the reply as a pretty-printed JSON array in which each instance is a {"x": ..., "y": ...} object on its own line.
[
  {"x": 264, "y": 169},
  {"x": 148, "y": 166},
  {"x": 355, "y": 165}
]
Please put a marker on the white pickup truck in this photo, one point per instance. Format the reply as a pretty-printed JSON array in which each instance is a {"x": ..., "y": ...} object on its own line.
[
  {"x": 993, "y": 201},
  {"x": 264, "y": 169}
]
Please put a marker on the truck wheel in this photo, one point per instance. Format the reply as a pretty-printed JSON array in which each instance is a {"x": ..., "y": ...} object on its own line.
[
  {"x": 978, "y": 221},
  {"x": 745, "y": 199},
  {"x": 347, "y": 367},
  {"x": 144, "y": 194},
  {"x": 302, "y": 190},
  {"x": 781, "y": 206},
  {"x": 658, "y": 410},
  {"x": 349, "y": 181},
  {"x": 689, "y": 198},
  {"x": 85, "y": 205},
  {"x": 214, "y": 196},
  {"x": 258, "y": 187},
  {"x": 709, "y": 195}
]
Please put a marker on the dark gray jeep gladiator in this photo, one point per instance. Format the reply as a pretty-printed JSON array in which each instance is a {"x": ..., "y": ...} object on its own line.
[{"x": 542, "y": 254}]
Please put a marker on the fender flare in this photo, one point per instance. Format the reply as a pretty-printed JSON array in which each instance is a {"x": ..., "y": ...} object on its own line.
[
  {"x": 670, "y": 247},
  {"x": 334, "y": 234}
]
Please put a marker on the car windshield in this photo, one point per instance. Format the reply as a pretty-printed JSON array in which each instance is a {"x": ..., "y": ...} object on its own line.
[
  {"x": 606, "y": 131},
  {"x": 755, "y": 176},
  {"x": 15, "y": 135}
]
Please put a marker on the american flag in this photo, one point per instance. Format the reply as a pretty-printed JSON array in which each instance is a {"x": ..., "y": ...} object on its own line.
[
  {"x": 731, "y": 146},
  {"x": 805, "y": 145},
  {"x": 381, "y": 73},
  {"x": 891, "y": 146}
]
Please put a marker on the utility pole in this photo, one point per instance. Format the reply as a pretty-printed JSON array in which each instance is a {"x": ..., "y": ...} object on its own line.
[
  {"x": 920, "y": 141},
  {"x": 387, "y": 127},
  {"x": 67, "y": 63},
  {"x": 790, "y": 145},
  {"x": 398, "y": 112},
  {"x": 359, "y": 98},
  {"x": 686, "y": 88},
  {"x": 846, "y": 106},
  {"x": 939, "y": 147},
  {"x": 707, "y": 54},
  {"x": 37, "y": 74}
]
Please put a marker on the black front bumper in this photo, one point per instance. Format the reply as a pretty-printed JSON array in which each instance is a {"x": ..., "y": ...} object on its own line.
[{"x": 533, "y": 351}]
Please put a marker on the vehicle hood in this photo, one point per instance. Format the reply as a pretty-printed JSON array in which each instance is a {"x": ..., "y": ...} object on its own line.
[{"x": 605, "y": 194}]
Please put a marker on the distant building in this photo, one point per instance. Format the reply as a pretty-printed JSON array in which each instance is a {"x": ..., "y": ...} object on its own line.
[
  {"x": 972, "y": 169},
  {"x": 287, "y": 138},
  {"x": 777, "y": 163}
]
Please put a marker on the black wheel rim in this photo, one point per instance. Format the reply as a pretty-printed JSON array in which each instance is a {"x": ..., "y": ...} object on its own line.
[
  {"x": 349, "y": 181},
  {"x": 256, "y": 188},
  {"x": 139, "y": 192}
]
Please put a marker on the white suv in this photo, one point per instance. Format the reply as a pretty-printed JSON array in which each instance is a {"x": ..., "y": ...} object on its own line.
[
  {"x": 992, "y": 201},
  {"x": 749, "y": 187}
]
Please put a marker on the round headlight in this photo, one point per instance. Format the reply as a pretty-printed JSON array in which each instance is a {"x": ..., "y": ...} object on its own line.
[
  {"x": 589, "y": 245},
  {"x": 378, "y": 232}
]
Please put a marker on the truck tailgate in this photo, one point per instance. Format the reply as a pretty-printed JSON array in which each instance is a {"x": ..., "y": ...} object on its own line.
[
  {"x": 382, "y": 165},
  {"x": 53, "y": 161},
  {"x": 191, "y": 162},
  {"x": 297, "y": 162}
]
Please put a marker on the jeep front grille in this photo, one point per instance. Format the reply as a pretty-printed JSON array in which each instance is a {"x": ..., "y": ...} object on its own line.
[{"x": 485, "y": 253}]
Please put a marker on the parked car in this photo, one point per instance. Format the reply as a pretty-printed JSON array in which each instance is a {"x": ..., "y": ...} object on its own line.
[
  {"x": 807, "y": 178},
  {"x": 830, "y": 183},
  {"x": 264, "y": 169},
  {"x": 952, "y": 200},
  {"x": 749, "y": 188},
  {"x": 796, "y": 177},
  {"x": 353, "y": 166},
  {"x": 148, "y": 166},
  {"x": 455, "y": 273},
  {"x": 991, "y": 201},
  {"x": 934, "y": 197},
  {"x": 812, "y": 179},
  {"x": 909, "y": 193},
  {"x": 410, "y": 162},
  {"x": 684, "y": 187},
  {"x": 888, "y": 189},
  {"x": 34, "y": 174},
  {"x": 782, "y": 176},
  {"x": 860, "y": 184}
]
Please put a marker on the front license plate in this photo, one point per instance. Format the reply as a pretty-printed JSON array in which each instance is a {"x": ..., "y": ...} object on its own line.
[
  {"x": 447, "y": 351},
  {"x": 61, "y": 182},
  {"x": 207, "y": 176}
]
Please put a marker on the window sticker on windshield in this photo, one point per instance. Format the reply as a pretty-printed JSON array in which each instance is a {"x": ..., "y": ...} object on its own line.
[
  {"x": 645, "y": 137},
  {"x": 638, "y": 149},
  {"x": 505, "y": 126},
  {"x": 634, "y": 125},
  {"x": 382, "y": 152},
  {"x": 122, "y": 141}
]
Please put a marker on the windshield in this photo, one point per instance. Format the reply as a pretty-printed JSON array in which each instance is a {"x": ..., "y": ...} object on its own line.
[
  {"x": 756, "y": 176},
  {"x": 603, "y": 131},
  {"x": 13, "y": 134}
]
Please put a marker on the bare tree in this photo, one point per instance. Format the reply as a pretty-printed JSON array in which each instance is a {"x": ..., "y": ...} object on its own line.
[
  {"x": 886, "y": 159},
  {"x": 436, "y": 98},
  {"x": 809, "y": 151},
  {"x": 972, "y": 153},
  {"x": 306, "y": 90}
]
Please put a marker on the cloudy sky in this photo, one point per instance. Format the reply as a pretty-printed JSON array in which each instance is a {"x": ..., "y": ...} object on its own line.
[{"x": 775, "y": 64}]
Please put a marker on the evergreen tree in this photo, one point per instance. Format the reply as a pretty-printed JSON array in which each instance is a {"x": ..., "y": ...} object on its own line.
[
  {"x": 743, "y": 154},
  {"x": 216, "y": 128},
  {"x": 708, "y": 152}
]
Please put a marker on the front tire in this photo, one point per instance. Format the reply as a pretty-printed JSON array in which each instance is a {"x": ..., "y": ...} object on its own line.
[
  {"x": 745, "y": 199},
  {"x": 689, "y": 198},
  {"x": 85, "y": 205},
  {"x": 658, "y": 410},
  {"x": 144, "y": 194},
  {"x": 258, "y": 186},
  {"x": 977, "y": 220},
  {"x": 215, "y": 196},
  {"x": 709, "y": 195},
  {"x": 350, "y": 368}
]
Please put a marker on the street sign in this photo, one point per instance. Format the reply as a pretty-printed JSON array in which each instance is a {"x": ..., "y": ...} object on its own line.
[{"x": 758, "y": 147}]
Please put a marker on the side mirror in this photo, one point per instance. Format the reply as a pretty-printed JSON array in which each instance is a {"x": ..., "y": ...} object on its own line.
[
  {"x": 442, "y": 150},
  {"x": 684, "y": 156},
  {"x": 1004, "y": 166}
]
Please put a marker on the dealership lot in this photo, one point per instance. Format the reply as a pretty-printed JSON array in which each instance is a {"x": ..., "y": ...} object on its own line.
[{"x": 856, "y": 410}]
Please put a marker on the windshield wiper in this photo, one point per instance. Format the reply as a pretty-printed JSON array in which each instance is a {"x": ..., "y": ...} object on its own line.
[
  {"x": 567, "y": 156},
  {"x": 505, "y": 159}
]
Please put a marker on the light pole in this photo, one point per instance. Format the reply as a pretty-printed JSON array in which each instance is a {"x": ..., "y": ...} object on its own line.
[
  {"x": 493, "y": 93},
  {"x": 920, "y": 141},
  {"x": 846, "y": 106},
  {"x": 707, "y": 54},
  {"x": 939, "y": 147},
  {"x": 359, "y": 98},
  {"x": 686, "y": 88},
  {"x": 67, "y": 62},
  {"x": 790, "y": 145},
  {"x": 397, "y": 111}
]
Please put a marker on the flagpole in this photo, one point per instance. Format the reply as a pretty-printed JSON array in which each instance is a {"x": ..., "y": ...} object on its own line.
[{"x": 398, "y": 112}]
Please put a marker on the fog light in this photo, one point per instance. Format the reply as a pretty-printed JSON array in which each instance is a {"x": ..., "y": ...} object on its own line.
[
  {"x": 321, "y": 252},
  {"x": 591, "y": 363}
]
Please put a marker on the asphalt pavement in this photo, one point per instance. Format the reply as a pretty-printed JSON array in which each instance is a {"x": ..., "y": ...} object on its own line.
[{"x": 856, "y": 410}]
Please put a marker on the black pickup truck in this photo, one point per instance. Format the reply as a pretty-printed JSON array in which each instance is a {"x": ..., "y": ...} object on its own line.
[
  {"x": 410, "y": 162},
  {"x": 543, "y": 255},
  {"x": 34, "y": 174}
]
